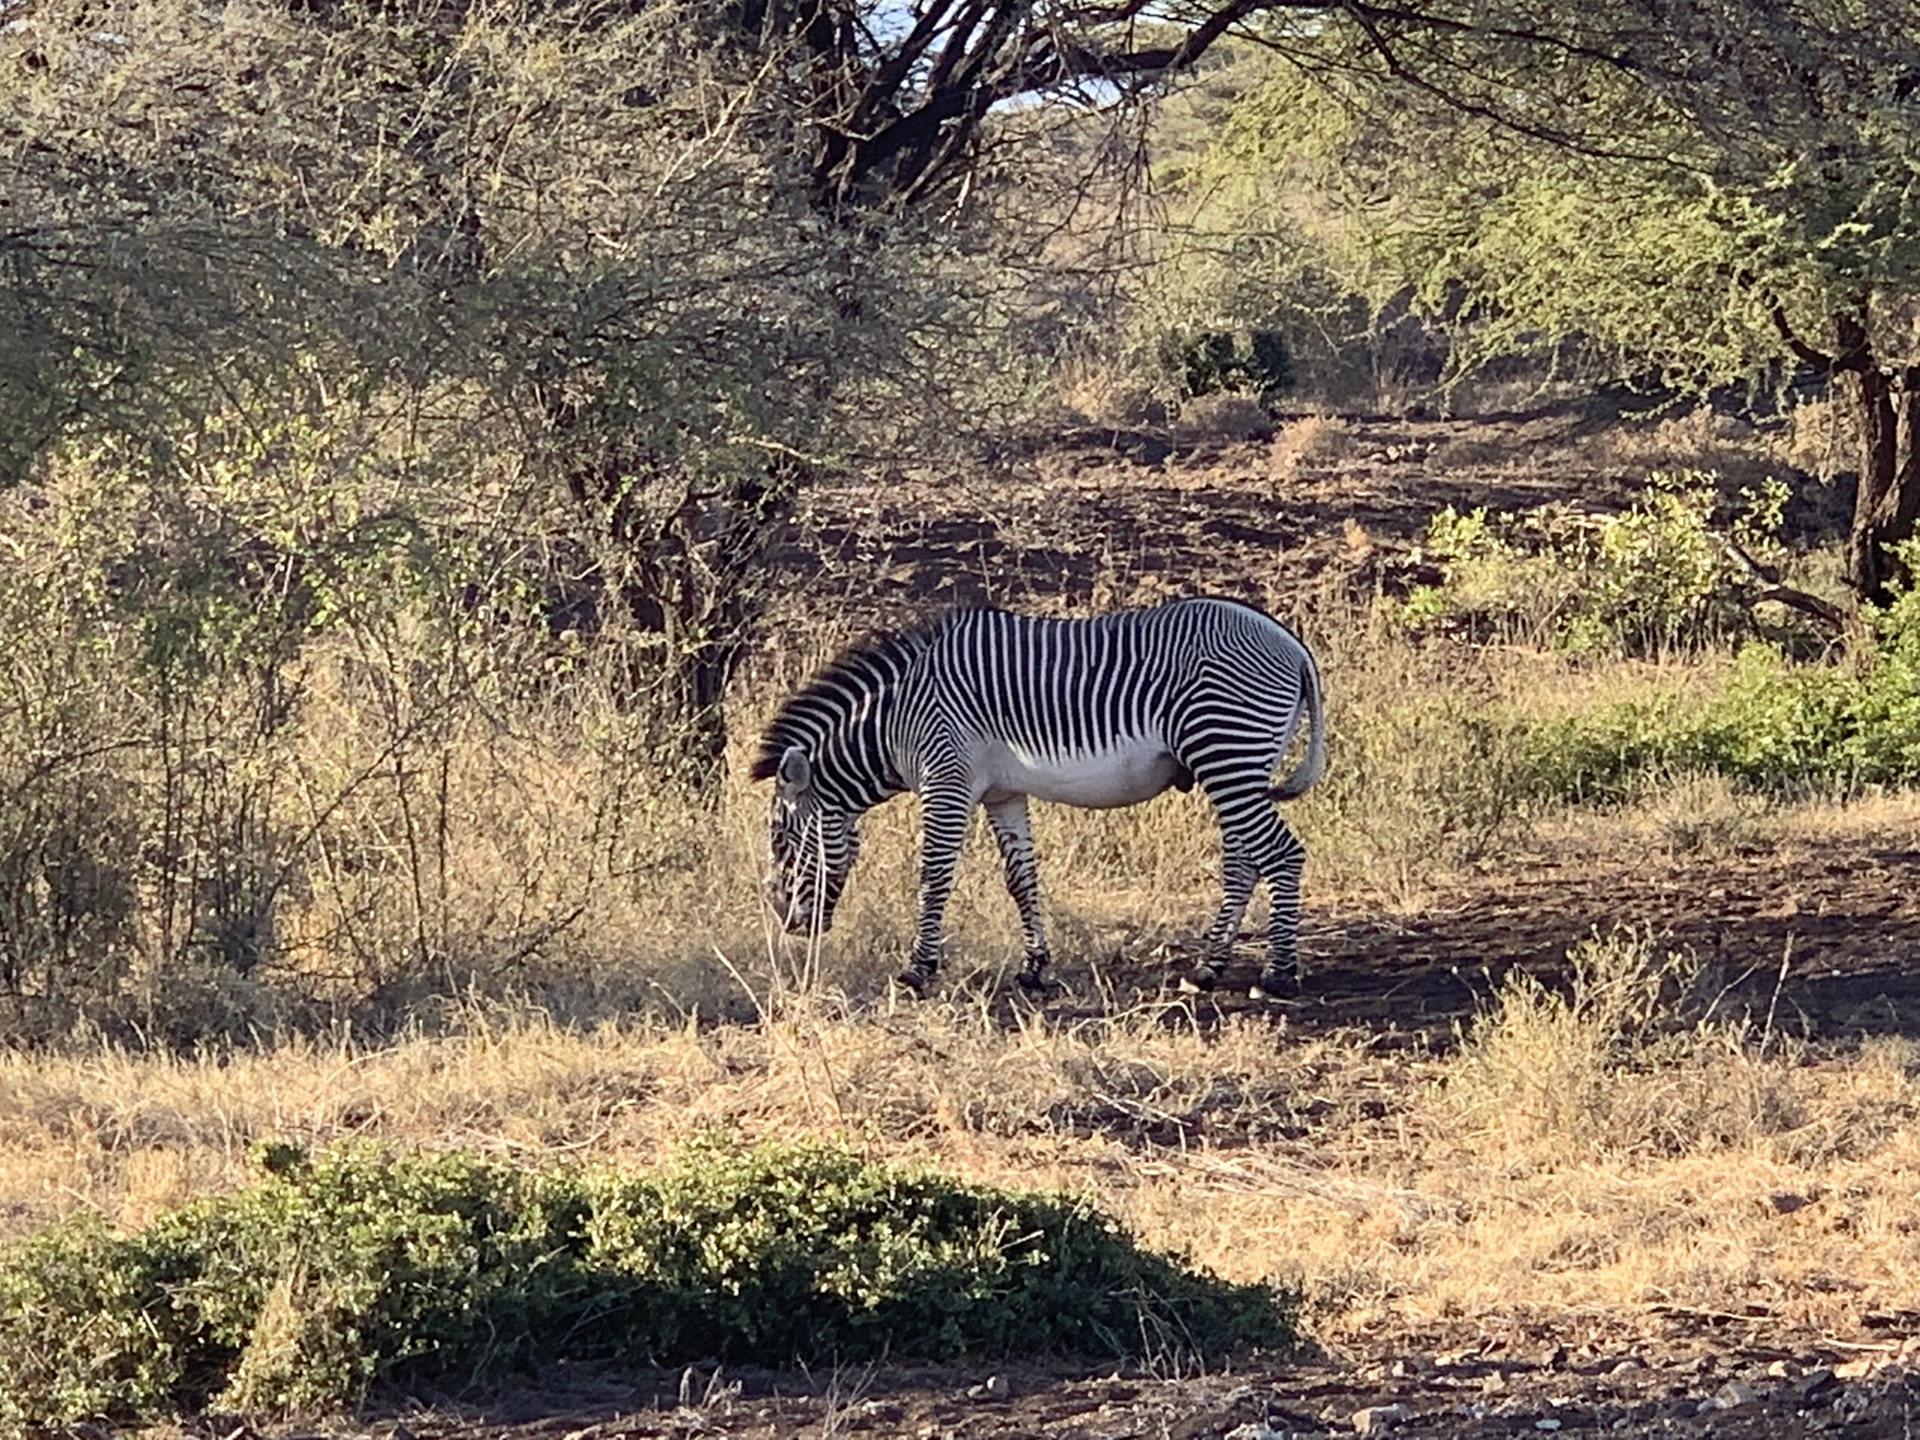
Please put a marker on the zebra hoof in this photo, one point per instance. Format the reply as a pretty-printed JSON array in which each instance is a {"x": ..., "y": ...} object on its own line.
[
  {"x": 915, "y": 980},
  {"x": 1033, "y": 982},
  {"x": 1274, "y": 985},
  {"x": 1199, "y": 980}
]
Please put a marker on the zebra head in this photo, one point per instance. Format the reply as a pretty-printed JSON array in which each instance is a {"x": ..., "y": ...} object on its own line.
[{"x": 813, "y": 844}]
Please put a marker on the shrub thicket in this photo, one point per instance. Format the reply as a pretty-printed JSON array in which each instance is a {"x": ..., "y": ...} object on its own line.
[
  {"x": 1777, "y": 726},
  {"x": 357, "y": 1267},
  {"x": 1656, "y": 577},
  {"x": 1662, "y": 578}
]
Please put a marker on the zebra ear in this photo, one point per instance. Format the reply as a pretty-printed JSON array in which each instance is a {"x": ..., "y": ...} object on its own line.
[{"x": 796, "y": 772}]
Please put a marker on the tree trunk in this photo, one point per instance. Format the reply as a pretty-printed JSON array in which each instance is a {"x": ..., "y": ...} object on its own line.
[{"x": 1886, "y": 502}]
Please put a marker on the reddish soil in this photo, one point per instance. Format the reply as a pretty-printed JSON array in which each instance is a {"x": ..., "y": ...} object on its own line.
[
  {"x": 1109, "y": 514},
  {"x": 1843, "y": 920},
  {"x": 1697, "y": 1377}
]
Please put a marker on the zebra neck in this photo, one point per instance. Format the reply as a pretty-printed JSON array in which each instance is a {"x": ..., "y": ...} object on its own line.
[
  {"x": 852, "y": 758},
  {"x": 860, "y": 762}
]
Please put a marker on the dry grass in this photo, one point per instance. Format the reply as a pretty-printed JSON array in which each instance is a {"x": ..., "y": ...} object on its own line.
[
  {"x": 1097, "y": 392},
  {"x": 1223, "y": 418},
  {"x": 1309, "y": 442},
  {"x": 1537, "y": 1169}
]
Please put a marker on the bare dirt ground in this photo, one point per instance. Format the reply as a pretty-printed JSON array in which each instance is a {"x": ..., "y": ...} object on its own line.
[
  {"x": 1694, "y": 1377},
  {"x": 1115, "y": 511},
  {"x": 1845, "y": 919}
]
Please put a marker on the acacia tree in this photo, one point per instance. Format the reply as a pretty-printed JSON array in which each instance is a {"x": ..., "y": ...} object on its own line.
[
  {"x": 678, "y": 255},
  {"x": 584, "y": 234},
  {"x": 1727, "y": 196}
]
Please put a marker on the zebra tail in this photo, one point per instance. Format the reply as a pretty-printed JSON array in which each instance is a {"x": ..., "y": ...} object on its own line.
[{"x": 1314, "y": 765}]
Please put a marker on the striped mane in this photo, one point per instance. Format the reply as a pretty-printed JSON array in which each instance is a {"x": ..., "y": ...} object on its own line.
[{"x": 833, "y": 693}]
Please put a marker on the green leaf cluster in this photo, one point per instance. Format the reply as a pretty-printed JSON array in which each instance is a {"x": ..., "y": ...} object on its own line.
[
  {"x": 1657, "y": 201},
  {"x": 1778, "y": 726},
  {"x": 360, "y": 1266},
  {"x": 1654, "y": 577}
]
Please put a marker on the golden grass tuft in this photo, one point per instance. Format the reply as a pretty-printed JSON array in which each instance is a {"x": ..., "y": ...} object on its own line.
[
  {"x": 1626, "y": 1062},
  {"x": 1311, "y": 441}
]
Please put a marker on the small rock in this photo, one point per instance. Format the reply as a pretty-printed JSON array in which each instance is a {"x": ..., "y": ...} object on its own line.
[
  {"x": 1815, "y": 1380},
  {"x": 1734, "y": 1394},
  {"x": 1492, "y": 1383},
  {"x": 1627, "y": 1366},
  {"x": 1910, "y": 1349},
  {"x": 1858, "y": 1369},
  {"x": 1780, "y": 1370},
  {"x": 1547, "y": 1424},
  {"x": 1251, "y": 1431},
  {"x": 994, "y": 1387},
  {"x": 1412, "y": 1365},
  {"x": 1378, "y": 1419},
  {"x": 1785, "y": 1202}
]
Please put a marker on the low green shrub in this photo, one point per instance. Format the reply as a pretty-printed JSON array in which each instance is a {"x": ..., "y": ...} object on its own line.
[
  {"x": 360, "y": 1266},
  {"x": 1778, "y": 726},
  {"x": 1655, "y": 577}
]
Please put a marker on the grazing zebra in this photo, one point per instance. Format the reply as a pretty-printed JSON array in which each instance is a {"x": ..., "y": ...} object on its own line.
[{"x": 987, "y": 708}]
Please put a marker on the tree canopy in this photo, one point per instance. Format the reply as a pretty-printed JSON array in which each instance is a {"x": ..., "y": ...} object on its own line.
[{"x": 1730, "y": 196}]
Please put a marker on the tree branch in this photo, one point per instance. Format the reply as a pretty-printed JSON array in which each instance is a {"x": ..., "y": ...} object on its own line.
[
  {"x": 1770, "y": 588},
  {"x": 1818, "y": 360}
]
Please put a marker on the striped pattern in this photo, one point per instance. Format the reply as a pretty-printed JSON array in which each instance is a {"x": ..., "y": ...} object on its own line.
[{"x": 986, "y": 708}]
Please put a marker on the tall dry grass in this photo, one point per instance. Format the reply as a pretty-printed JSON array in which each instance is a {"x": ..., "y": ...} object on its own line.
[
  {"x": 1591, "y": 1151},
  {"x": 240, "y": 801}
]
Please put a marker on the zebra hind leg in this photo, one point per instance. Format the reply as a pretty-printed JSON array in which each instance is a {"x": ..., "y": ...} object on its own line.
[
  {"x": 1238, "y": 874},
  {"x": 1281, "y": 865}
]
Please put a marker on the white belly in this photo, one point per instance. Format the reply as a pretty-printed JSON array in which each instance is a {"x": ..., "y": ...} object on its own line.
[{"x": 1121, "y": 774}]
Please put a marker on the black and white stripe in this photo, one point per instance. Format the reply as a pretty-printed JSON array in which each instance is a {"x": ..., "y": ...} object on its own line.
[{"x": 986, "y": 708}]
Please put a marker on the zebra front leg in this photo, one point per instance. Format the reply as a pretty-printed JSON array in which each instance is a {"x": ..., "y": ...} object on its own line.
[
  {"x": 1013, "y": 833},
  {"x": 943, "y": 826}
]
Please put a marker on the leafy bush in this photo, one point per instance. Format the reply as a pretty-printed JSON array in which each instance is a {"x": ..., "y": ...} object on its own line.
[
  {"x": 1778, "y": 725},
  {"x": 1217, "y": 360},
  {"x": 360, "y": 1266},
  {"x": 1657, "y": 576}
]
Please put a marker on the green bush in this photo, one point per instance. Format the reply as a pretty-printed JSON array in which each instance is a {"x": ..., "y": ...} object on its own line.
[
  {"x": 1217, "y": 361},
  {"x": 1655, "y": 577},
  {"x": 360, "y": 1266},
  {"x": 1779, "y": 725}
]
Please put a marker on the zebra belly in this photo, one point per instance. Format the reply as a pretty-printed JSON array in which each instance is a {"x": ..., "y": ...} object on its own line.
[{"x": 1123, "y": 774}]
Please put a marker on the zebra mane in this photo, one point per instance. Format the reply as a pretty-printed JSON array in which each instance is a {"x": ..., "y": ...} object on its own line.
[{"x": 858, "y": 669}]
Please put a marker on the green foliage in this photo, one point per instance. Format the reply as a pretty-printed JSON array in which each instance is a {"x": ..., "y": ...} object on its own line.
[
  {"x": 1779, "y": 726},
  {"x": 1655, "y": 577},
  {"x": 326, "y": 1276},
  {"x": 1219, "y": 360}
]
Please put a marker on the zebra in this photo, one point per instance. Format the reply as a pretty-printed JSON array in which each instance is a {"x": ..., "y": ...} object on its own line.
[{"x": 988, "y": 708}]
